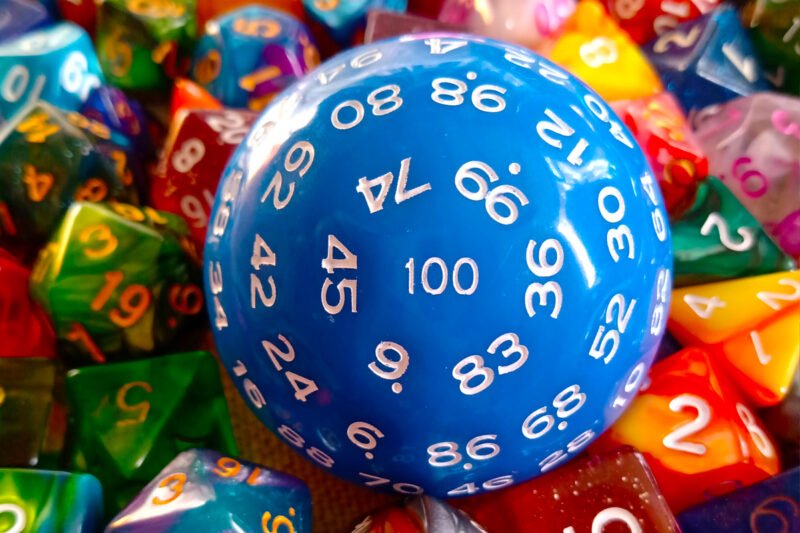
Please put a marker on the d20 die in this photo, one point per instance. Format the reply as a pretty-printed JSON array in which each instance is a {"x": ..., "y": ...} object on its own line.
[
  {"x": 118, "y": 282},
  {"x": 204, "y": 489}
]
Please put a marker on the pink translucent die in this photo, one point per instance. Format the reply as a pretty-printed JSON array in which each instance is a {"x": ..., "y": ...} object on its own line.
[
  {"x": 753, "y": 146},
  {"x": 525, "y": 22}
]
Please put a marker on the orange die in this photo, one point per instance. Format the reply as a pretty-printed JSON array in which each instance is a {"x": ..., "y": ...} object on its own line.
[
  {"x": 695, "y": 432},
  {"x": 187, "y": 94},
  {"x": 752, "y": 325},
  {"x": 596, "y": 50}
]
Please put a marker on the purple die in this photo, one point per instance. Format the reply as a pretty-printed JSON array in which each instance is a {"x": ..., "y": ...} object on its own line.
[{"x": 203, "y": 490}]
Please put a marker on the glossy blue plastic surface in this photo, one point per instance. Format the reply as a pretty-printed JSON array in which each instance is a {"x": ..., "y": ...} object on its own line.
[
  {"x": 708, "y": 60},
  {"x": 772, "y": 506},
  {"x": 344, "y": 18},
  {"x": 273, "y": 47},
  {"x": 57, "y": 64},
  {"x": 217, "y": 493},
  {"x": 500, "y": 185}
]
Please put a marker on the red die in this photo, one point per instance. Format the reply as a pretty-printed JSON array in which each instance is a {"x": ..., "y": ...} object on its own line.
[
  {"x": 661, "y": 129},
  {"x": 25, "y": 330},
  {"x": 645, "y": 20},
  {"x": 695, "y": 432},
  {"x": 197, "y": 148},
  {"x": 584, "y": 496}
]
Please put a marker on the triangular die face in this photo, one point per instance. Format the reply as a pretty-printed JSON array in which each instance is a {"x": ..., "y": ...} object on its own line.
[
  {"x": 712, "y": 313},
  {"x": 764, "y": 359},
  {"x": 717, "y": 238}
]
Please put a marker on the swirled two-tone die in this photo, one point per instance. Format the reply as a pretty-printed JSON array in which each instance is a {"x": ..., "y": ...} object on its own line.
[
  {"x": 57, "y": 64},
  {"x": 438, "y": 263},
  {"x": 249, "y": 55}
]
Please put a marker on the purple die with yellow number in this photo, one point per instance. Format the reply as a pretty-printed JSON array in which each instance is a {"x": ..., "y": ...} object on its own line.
[
  {"x": 204, "y": 490},
  {"x": 343, "y": 19},
  {"x": 708, "y": 60},
  {"x": 249, "y": 55}
]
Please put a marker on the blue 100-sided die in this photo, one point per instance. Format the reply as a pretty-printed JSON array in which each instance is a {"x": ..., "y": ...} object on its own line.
[{"x": 438, "y": 263}]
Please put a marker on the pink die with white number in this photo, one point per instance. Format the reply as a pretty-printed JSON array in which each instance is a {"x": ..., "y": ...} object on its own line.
[
  {"x": 525, "y": 22},
  {"x": 197, "y": 148},
  {"x": 752, "y": 144}
]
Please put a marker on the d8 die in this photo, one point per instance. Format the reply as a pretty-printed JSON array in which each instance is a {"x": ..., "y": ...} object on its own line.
[
  {"x": 708, "y": 60},
  {"x": 660, "y": 127},
  {"x": 306, "y": 257},
  {"x": 769, "y": 506},
  {"x": 775, "y": 31},
  {"x": 205, "y": 490},
  {"x": 716, "y": 238},
  {"x": 645, "y": 20},
  {"x": 143, "y": 43},
  {"x": 129, "y": 420},
  {"x": 701, "y": 440},
  {"x": 752, "y": 144},
  {"x": 24, "y": 327},
  {"x": 526, "y": 22},
  {"x": 751, "y": 325},
  {"x": 48, "y": 159},
  {"x": 57, "y": 64},
  {"x": 343, "y": 19},
  {"x": 118, "y": 282},
  {"x": 249, "y": 55},
  {"x": 26, "y": 398},
  {"x": 601, "y": 54},
  {"x": 198, "y": 147},
  {"x": 586, "y": 495},
  {"x": 18, "y": 17},
  {"x": 41, "y": 501},
  {"x": 421, "y": 514}
]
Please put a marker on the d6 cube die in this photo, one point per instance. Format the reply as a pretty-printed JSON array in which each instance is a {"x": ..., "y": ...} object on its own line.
[{"x": 204, "y": 490}]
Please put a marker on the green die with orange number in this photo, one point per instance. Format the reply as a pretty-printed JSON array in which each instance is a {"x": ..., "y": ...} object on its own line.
[
  {"x": 129, "y": 420},
  {"x": 141, "y": 44},
  {"x": 119, "y": 282}
]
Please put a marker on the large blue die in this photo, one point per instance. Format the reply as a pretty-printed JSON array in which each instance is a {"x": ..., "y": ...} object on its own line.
[
  {"x": 57, "y": 64},
  {"x": 708, "y": 60},
  {"x": 438, "y": 263}
]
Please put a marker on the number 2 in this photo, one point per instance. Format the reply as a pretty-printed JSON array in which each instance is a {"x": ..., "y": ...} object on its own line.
[
  {"x": 674, "y": 440},
  {"x": 715, "y": 220}
]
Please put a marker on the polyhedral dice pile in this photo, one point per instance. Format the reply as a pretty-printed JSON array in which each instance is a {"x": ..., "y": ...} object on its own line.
[{"x": 521, "y": 265}]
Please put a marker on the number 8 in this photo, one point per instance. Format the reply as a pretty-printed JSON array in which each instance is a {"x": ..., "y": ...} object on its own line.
[
  {"x": 760, "y": 438},
  {"x": 478, "y": 370},
  {"x": 435, "y": 452}
]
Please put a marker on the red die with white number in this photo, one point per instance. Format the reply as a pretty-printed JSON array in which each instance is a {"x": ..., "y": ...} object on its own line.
[
  {"x": 695, "y": 432},
  {"x": 645, "y": 20},
  {"x": 197, "y": 149},
  {"x": 661, "y": 129}
]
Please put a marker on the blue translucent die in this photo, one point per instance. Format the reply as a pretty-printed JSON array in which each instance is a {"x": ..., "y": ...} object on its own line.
[
  {"x": 203, "y": 490},
  {"x": 708, "y": 60},
  {"x": 250, "y": 54},
  {"x": 42, "y": 501},
  {"x": 21, "y": 16},
  {"x": 57, "y": 64},
  {"x": 438, "y": 260},
  {"x": 772, "y": 506},
  {"x": 343, "y": 18}
]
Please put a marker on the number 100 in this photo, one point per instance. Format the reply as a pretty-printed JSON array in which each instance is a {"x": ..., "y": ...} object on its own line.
[{"x": 439, "y": 263}]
